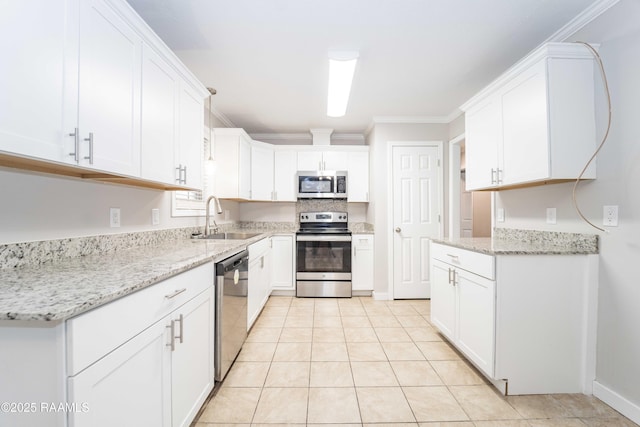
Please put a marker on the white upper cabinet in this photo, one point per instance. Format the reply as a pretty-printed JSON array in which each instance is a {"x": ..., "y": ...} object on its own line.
[
  {"x": 358, "y": 176},
  {"x": 262, "y": 169},
  {"x": 284, "y": 175},
  {"x": 109, "y": 90},
  {"x": 38, "y": 109},
  {"x": 91, "y": 87},
  {"x": 484, "y": 128},
  {"x": 325, "y": 159},
  {"x": 159, "y": 117},
  {"x": 232, "y": 147},
  {"x": 536, "y": 123},
  {"x": 189, "y": 147}
]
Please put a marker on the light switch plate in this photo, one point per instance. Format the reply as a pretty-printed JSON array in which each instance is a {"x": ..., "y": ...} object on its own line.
[
  {"x": 114, "y": 217},
  {"x": 551, "y": 215},
  {"x": 500, "y": 214},
  {"x": 155, "y": 216}
]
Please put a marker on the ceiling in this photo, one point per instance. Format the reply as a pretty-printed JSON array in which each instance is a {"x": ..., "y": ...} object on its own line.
[{"x": 419, "y": 59}]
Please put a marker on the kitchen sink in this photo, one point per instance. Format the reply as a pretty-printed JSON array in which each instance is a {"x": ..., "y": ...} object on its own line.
[{"x": 228, "y": 236}]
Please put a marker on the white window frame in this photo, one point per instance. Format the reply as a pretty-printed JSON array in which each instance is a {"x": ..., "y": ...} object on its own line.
[{"x": 193, "y": 204}]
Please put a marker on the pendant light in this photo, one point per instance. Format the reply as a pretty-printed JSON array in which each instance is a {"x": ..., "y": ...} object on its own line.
[{"x": 212, "y": 92}]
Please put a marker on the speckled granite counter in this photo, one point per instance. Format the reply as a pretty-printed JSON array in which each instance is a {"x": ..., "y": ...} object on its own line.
[
  {"x": 528, "y": 242},
  {"x": 57, "y": 291}
]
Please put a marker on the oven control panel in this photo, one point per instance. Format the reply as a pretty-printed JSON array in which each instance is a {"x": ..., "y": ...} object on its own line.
[{"x": 323, "y": 217}]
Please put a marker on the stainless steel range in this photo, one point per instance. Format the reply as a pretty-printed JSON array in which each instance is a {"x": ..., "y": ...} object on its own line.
[{"x": 323, "y": 245}]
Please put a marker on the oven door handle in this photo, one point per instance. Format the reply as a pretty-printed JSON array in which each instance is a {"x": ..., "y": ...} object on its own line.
[{"x": 322, "y": 238}]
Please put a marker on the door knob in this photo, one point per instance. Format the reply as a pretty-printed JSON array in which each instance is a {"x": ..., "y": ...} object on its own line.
[{"x": 398, "y": 229}]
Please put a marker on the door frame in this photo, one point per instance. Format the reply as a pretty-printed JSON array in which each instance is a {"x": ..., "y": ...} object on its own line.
[
  {"x": 454, "y": 166},
  {"x": 454, "y": 185},
  {"x": 390, "y": 146}
]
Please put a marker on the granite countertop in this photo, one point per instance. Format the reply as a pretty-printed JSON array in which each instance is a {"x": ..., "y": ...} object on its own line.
[
  {"x": 58, "y": 291},
  {"x": 527, "y": 242}
]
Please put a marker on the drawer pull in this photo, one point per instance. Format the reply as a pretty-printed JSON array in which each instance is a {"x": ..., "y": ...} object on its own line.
[
  {"x": 176, "y": 293},
  {"x": 453, "y": 257}
]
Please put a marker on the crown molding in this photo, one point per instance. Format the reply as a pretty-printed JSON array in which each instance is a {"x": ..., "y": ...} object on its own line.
[
  {"x": 224, "y": 119},
  {"x": 303, "y": 136},
  {"x": 579, "y": 22},
  {"x": 410, "y": 119}
]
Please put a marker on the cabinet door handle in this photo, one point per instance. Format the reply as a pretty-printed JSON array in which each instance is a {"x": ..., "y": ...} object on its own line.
[
  {"x": 181, "y": 336},
  {"x": 493, "y": 176},
  {"x": 498, "y": 176},
  {"x": 184, "y": 170},
  {"x": 449, "y": 277},
  {"x": 76, "y": 145},
  {"x": 90, "y": 156},
  {"x": 172, "y": 331},
  {"x": 455, "y": 283},
  {"x": 453, "y": 257},
  {"x": 175, "y": 293},
  {"x": 262, "y": 262}
]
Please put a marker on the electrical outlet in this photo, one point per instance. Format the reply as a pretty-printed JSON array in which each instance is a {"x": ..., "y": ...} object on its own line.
[
  {"x": 155, "y": 216},
  {"x": 610, "y": 216},
  {"x": 500, "y": 215},
  {"x": 551, "y": 215},
  {"x": 114, "y": 217}
]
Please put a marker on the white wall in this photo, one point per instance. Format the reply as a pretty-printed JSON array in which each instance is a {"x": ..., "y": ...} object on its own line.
[
  {"x": 43, "y": 207},
  {"x": 618, "y": 183},
  {"x": 378, "y": 140}
]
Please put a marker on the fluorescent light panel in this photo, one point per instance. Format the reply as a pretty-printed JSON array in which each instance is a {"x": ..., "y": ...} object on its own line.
[{"x": 341, "y": 68}]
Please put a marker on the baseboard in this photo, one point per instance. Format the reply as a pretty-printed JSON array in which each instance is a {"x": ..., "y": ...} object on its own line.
[
  {"x": 617, "y": 402},
  {"x": 380, "y": 296}
]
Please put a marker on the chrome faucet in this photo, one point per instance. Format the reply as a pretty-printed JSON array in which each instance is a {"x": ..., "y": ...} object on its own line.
[{"x": 207, "y": 225}]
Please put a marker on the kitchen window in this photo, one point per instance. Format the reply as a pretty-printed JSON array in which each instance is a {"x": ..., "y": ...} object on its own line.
[{"x": 192, "y": 203}]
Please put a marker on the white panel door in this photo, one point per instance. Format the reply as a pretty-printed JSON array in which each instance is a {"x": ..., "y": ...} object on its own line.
[
  {"x": 525, "y": 128},
  {"x": 159, "y": 117},
  {"x": 284, "y": 176},
  {"x": 483, "y": 130},
  {"x": 192, "y": 360},
  {"x": 416, "y": 212},
  {"x": 261, "y": 172},
  {"x": 476, "y": 318},
  {"x": 39, "y": 102},
  {"x": 109, "y": 100},
  {"x": 189, "y": 148},
  {"x": 443, "y": 299},
  {"x": 109, "y": 383}
]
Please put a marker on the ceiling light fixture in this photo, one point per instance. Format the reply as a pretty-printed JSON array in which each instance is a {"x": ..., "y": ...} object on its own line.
[{"x": 341, "y": 68}]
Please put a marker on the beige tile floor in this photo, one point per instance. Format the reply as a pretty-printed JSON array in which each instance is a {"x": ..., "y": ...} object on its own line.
[{"x": 360, "y": 362}]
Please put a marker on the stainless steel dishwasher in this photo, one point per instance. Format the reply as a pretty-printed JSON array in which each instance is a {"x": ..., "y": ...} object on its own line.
[{"x": 230, "y": 327}]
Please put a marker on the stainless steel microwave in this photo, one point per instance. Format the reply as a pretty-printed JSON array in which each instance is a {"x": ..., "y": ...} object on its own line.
[{"x": 322, "y": 184}]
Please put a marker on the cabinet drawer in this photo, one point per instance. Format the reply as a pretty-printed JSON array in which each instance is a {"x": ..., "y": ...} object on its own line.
[
  {"x": 92, "y": 335},
  {"x": 475, "y": 262},
  {"x": 258, "y": 248}
]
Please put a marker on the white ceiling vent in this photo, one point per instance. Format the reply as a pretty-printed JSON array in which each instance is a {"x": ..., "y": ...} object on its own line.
[{"x": 321, "y": 136}]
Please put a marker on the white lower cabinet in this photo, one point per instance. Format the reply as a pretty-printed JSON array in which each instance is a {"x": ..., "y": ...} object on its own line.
[
  {"x": 259, "y": 278},
  {"x": 282, "y": 268},
  {"x": 463, "y": 308},
  {"x": 362, "y": 262},
  {"x": 520, "y": 319},
  {"x": 161, "y": 377},
  {"x": 145, "y": 359}
]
